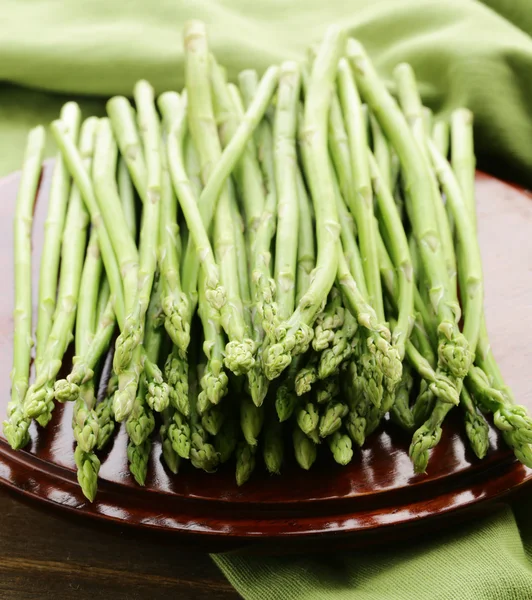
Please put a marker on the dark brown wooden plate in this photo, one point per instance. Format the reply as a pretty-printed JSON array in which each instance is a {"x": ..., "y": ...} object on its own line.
[{"x": 377, "y": 493}]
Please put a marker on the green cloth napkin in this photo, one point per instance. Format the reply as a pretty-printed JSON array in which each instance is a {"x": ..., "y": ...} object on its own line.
[{"x": 464, "y": 52}]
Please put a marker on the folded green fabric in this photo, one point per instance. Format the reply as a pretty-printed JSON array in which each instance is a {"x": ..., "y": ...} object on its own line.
[
  {"x": 464, "y": 52},
  {"x": 483, "y": 561}
]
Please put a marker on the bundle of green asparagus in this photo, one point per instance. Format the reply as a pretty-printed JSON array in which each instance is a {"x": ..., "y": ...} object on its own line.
[{"x": 294, "y": 279}]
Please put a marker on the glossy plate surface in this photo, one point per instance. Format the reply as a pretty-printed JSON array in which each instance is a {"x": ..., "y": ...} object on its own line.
[{"x": 376, "y": 494}]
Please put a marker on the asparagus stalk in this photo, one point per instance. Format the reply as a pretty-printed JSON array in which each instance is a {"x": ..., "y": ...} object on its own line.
[
  {"x": 80, "y": 174},
  {"x": 427, "y": 119},
  {"x": 331, "y": 419},
  {"x": 251, "y": 420},
  {"x": 381, "y": 153},
  {"x": 327, "y": 389},
  {"x": 411, "y": 104},
  {"x": 104, "y": 413},
  {"x": 453, "y": 352},
  {"x": 486, "y": 381},
  {"x": 175, "y": 114},
  {"x": 229, "y": 111},
  {"x": 308, "y": 419},
  {"x": 150, "y": 397},
  {"x": 440, "y": 136},
  {"x": 84, "y": 419},
  {"x": 330, "y": 319},
  {"x": 85, "y": 423},
  {"x": 38, "y": 403},
  {"x": 305, "y": 449},
  {"x": 150, "y": 133},
  {"x": 286, "y": 241},
  {"x": 125, "y": 249},
  {"x": 472, "y": 291},
  {"x": 138, "y": 458},
  {"x": 401, "y": 254},
  {"x": 360, "y": 201},
  {"x": 240, "y": 349},
  {"x": 273, "y": 448},
  {"x": 341, "y": 447},
  {"x": 215, "y": 174},
  {"x": 174, "y": 301},
  {"x": 286, "y": 396},
  {"x": 214, "y": 382},
  {"x": 127, "y": 197},
  {"x": 401, "y": 412},
  {"x": 245, "y": 462},
  {"x": 203, "y": 454},
  {"x": 226, "y": 440},
  {"x": 253, "y": 196},
  {"x": 171, "y": 457},
  {"x": 294, "y": 336},
  {"x": 306, "y": 252},
  {"x": 17, "y": 424},
  {"x": 67, "y": 390},
  {"x": 53, "y": 232}
]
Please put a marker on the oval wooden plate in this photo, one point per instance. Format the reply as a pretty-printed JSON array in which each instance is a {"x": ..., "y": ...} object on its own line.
[{"x": 377, "y": 493}]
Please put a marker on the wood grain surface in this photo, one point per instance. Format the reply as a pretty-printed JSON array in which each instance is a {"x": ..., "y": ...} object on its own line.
[{"x": 44, "y": 556}]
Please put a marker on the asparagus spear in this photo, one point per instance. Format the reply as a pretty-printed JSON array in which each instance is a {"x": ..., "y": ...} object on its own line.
[
  {"x": 127, "y": 197},
  {"x": 305, "y": 449},
  {"x": 175, "y": 114},
  {"x": 84, "y": 419},
  {"x": 80, "y": 175},
  {"x": 262, "y": 281},
  {"x": 174, "y": 301},
  {"x": 341, "y": 447},
  {"x": 214, "y": 382},
  {"x": 129, "y": 371},
  {"x": 453, "y": 352},
  {"x": 328, "y": 321},
  {"x": 229, "y": 112},
  {"x": 17, "y": 424},
  {"x": 411, "y": 104},
  {"x": 226, "y": 440},
  {"x": 53, "y": 231},
  {"x": 85, "y": 423},
  {"x": 440, "y": 136},
  {"x": 327, "y": 389},
  {"x": 486, "y": 381},
  {"x": 308, "y": 418},
  {"x": 171, "y": 457},
  {"x": 286, "y": 396},
  {"x": 273, "y": 448},
  {"x": 286, "y": 241},
  {"x": 331, "y": 419},
  {"x": 401, "y": 412},
  {"x": 251, "y": 420},
  {"x": 239, "y": 351},
  {"x": 203, "y": 454},
  {"x": 39, "y": 398},
  {"x": 360, "y": 201},
  {"x": 138, "y": 458},
  {"x": 294, "y": 336},
  {"x": 257, "y": 293},
  {"x": 245, "y": 462},
  {"x": 104, "y": 413},
  {"x": 427, "y": 119},
  {"x": 125, "y": 249},
  {"x": 381, "y": 152},
  {"x": 472, "y": 290},
  {"x": 196, "y": 61},
  {"x": 401, "y": 254}
]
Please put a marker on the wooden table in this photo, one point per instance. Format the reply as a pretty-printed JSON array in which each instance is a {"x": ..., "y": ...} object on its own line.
[{"x": 44, "y": 555}]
